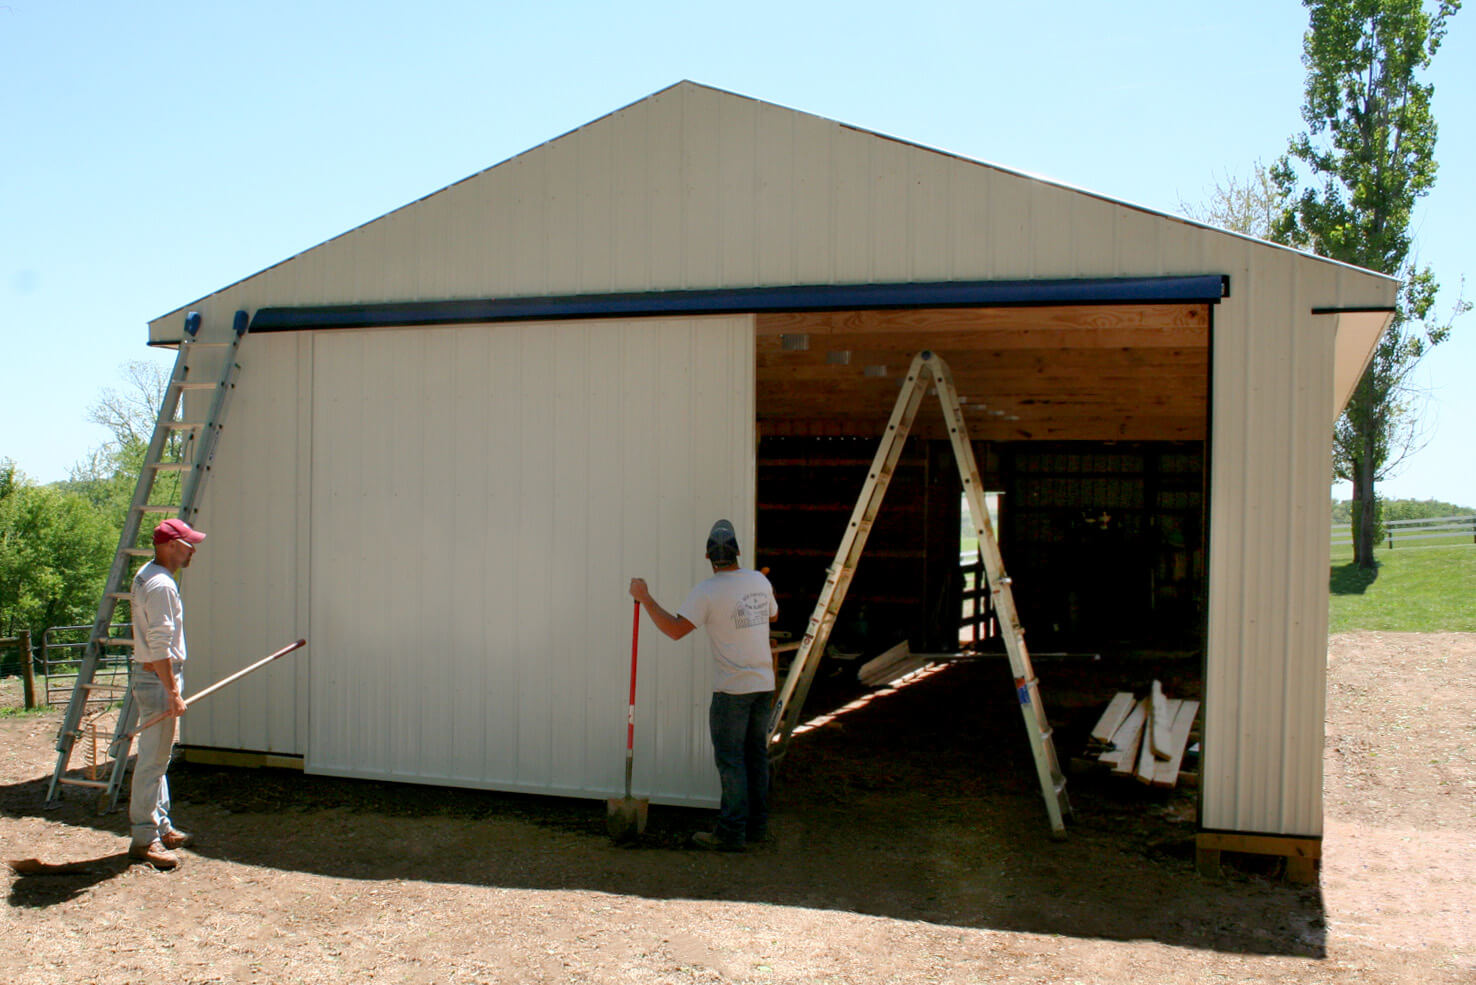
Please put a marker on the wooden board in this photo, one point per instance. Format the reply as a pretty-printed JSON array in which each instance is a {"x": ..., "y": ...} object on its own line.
[
  {"x": 1053, "y": 325},
  {"x": 874, "y": 671},
  {"x": 1063, "y": 373},
  {"x": 1161, "y": 718},
  {"x": 1124, "y": 755},
  {"x": 1147, "y": 767},
  {"x": 1117, "y": 710},
  {"x": 1166, "y": 774}
]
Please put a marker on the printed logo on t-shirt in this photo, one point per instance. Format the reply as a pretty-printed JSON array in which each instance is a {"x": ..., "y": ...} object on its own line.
[{"x": 751, "y": 610}]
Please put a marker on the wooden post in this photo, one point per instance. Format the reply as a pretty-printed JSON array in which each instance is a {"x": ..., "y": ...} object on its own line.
[{"x": 27, "y": 677}]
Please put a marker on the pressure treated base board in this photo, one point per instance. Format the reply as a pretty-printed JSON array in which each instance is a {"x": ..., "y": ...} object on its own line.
[
  {"x": 1301, "y": 854},
  {"x": 232, "y": 757}
]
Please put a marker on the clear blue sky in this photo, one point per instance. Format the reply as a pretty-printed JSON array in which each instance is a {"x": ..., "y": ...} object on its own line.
[{"x": 154, "y": 152}]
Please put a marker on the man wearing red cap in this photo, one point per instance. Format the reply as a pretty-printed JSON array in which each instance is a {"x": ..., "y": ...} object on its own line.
[{"x": 158, "y": 683}]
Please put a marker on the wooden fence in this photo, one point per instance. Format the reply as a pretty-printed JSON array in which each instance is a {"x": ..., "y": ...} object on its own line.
[{"x": 1432, "y": 531}]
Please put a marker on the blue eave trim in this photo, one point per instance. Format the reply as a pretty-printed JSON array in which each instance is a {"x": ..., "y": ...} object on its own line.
[{"x": 1207, "y": 288}]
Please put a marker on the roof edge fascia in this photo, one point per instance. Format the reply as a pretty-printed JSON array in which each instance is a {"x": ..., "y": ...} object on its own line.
[{"x": 1198, "y": 289}]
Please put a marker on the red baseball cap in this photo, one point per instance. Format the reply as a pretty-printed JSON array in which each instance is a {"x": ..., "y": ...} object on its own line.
[{"x": 176, "y": 530}]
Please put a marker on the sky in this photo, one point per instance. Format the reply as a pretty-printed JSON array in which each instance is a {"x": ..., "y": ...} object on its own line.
[{"x": 155, "y": 152}]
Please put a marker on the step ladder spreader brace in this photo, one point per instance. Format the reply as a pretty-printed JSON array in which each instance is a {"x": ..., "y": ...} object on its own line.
[
  {"x": 927, "y": 370},
  {"x": 181, "y": 446}
]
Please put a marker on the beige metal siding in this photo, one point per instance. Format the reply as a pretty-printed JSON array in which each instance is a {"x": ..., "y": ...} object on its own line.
[
  {"x": 1271, "y": 448},
  {"x": 695, "y": 188},
  {"x": 245, "y": 592},
  {"x": 480, "y": 498}
]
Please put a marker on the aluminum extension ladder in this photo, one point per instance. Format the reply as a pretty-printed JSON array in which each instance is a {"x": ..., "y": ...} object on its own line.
[
  {"x": 926, "y": 368},
  {"x": 180, "y": 446}
]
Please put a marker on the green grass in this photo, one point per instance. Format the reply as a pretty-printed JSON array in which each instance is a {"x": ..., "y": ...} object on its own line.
[
  {"x": 1413, "y": 590},
  {"x": 16, "y": 711}
]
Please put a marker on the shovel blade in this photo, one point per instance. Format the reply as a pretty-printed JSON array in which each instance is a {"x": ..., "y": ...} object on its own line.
[{"x": 625, "y": 818}]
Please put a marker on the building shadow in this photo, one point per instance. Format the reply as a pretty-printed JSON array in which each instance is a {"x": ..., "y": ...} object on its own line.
[{"x": 920, "y": 807}]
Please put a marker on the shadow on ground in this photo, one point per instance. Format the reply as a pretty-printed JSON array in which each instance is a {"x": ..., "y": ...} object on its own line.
[
  {"x": 40, "y": 884},
  {"x": 1350, "y": 579},
  {"x": 921, "y": 806}
]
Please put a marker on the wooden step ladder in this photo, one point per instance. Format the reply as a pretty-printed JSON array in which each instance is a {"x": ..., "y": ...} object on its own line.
[
  {"x": 927, "y": 370},
  {"x": 180, "y": 446}
]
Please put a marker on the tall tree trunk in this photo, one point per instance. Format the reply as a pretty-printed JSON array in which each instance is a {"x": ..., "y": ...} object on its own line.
[{"x": 1365, "y": 500}]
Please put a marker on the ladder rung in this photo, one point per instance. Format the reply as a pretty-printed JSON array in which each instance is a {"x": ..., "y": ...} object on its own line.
[
  {"x": 208, "y": 345},
  {"x": 196, "y": 386},
  {"x": 185, "y": 425},
  {"x": 157, "y": 508},
  {"x": 116, "y": 641},
  {"x": 120, "y": 596},
  {"x": 105, "y": 687},
  {"x": 139, "y": 551},
  {"x": 170, "y": 466},
  {"x": 96, "y": 784}
]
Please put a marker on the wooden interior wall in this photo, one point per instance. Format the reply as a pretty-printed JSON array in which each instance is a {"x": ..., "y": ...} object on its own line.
[{"x": 907, "y": 584}]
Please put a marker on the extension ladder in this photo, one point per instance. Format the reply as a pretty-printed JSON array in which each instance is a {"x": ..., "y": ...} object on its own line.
[
  {"x": 927, "y": 368},
  {"x": 181, "y": 447}
]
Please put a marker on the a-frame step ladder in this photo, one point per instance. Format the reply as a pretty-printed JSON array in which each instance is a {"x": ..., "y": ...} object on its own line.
[
  {"x": 926, "y": 369},
  {"x": 181, "y": 446}
]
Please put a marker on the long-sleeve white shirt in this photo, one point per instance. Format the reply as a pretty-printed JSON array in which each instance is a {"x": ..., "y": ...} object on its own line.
[{"x": 158, "y": 616}]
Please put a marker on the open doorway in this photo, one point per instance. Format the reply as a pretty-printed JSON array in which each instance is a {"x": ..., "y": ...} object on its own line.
[{"x": 976, "y": 617}]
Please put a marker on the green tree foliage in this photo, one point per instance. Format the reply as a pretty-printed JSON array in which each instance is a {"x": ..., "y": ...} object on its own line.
[
  {"x": 57, "y": 542},
  {"x": 55, "y": 547},
  {"x": 1369, "y": 153},
  {"x": 1422, "y": 509}
]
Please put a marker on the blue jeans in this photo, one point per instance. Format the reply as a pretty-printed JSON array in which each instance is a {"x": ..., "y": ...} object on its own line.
[
  {"x": 148, "y": 802},
  {"x": 740, "y": 733}
]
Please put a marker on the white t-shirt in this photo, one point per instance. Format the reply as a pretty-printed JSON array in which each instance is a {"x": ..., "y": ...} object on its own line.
[
  {"x": 158, "y": 616},
  {"x": 735, "y": 608}
]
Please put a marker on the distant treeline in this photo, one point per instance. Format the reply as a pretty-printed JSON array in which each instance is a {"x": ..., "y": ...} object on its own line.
[{"x": 1402, "y": 509}]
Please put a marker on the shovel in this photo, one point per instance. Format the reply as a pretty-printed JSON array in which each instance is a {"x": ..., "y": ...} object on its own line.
[{"x": 625, "y": 817}]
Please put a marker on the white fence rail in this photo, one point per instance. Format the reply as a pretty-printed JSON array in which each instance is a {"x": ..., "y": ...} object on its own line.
[{"x": 1451, "y": 529}]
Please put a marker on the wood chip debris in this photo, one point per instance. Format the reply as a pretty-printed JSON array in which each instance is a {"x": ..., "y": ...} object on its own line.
[{"x": 1144, "y": 737}]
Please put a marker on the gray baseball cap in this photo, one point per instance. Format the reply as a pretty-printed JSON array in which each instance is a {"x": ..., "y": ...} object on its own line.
[{"x": 722, "y": 543}]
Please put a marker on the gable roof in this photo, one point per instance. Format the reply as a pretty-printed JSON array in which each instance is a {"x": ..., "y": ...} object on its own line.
[{"x": 693, "y": 189}]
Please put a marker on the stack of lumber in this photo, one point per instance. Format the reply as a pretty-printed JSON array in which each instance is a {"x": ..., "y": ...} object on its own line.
[{"x": 1145, "y": 737}]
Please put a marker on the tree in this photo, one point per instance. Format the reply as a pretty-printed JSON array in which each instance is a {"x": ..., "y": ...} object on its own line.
[
  {"x": 1370, "y": 144},
  {"x": 109, "y": 473},
  {"x": 55, "y": 547},
  {"x": 57, "y": 542},
  {"x": 1250, "y": 205}
]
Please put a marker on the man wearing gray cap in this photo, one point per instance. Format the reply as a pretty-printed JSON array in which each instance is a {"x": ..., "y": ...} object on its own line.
[
  {"x": 158, "y": 683},
  {"x": 735, "y": 606}
]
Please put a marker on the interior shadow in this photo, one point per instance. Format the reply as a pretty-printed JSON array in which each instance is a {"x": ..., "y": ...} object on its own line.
[
  {"x": 919, "y": 806},
  {"x": 1351, "y": 579}
]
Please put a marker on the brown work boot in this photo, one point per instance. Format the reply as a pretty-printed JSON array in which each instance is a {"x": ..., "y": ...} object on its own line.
[
  {"x": 155, "y": 854},
  {"x": 175, "y": 838}
]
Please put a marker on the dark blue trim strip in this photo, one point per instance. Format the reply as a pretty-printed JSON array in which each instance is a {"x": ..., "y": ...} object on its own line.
[
  {"x": 1353, "y": 311},
  {"x": 1208, "y": 288}
]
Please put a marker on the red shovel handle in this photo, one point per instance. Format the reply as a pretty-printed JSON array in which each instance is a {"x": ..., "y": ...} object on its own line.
[{"x": 630, "y": 717}]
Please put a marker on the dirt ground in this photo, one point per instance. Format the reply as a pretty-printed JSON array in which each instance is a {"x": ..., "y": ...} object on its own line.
[{"x": 911, "y": 847}]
